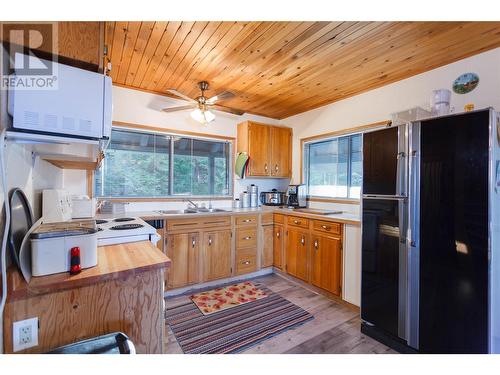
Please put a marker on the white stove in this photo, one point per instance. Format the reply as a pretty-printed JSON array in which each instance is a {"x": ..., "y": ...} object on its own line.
[{"x": 123, "y": 230}]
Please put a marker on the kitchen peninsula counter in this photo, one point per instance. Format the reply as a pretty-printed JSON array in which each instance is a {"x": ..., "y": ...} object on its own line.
[{"x": 124, "y": 292}]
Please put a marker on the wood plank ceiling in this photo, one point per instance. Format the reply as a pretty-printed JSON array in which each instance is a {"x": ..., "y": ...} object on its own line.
[{"x": 278, "y": 69}]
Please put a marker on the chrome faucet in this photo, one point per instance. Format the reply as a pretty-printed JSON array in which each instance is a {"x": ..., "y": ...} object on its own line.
[{"x": 190, "y": 201}]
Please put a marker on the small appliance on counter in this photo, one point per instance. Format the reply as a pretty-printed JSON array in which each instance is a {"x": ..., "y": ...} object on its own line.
[
  {"x": 272, "y": 198},
  {"x": 253, "y": 191},
  {"x": 56, "y": 206},
  {"x": 52, "y": 245},
  {"x": 82, "y": 207},
  {"x": 296, "y": 196}
]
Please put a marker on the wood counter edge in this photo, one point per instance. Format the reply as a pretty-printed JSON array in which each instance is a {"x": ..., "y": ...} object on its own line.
[{"x": 18, "y": 288}]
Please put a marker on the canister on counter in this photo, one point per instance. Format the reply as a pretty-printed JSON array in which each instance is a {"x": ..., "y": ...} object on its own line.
[{"x": 245, "y": 199}]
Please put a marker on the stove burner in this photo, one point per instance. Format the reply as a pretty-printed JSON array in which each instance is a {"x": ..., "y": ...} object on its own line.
[
  {"x": 99, "y": 221},
  {"x": 126, "y": 226},
  {"x": 99, "y": 229},
  {"x": 122, "y": 219}
]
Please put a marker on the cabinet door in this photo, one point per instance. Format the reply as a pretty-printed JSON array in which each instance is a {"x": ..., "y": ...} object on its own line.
[
  {"x": 281, "y": 151},
  {"x": 297, "y": 253},
  {"x": 267, "y": 246},
  {"x": 183, "y": 250},
  {"x": 278, "y": 246},
  {"x": 326, "y": 261},
  {"x": 217, "y": 246},
  {"x": 259, "y": 150}
]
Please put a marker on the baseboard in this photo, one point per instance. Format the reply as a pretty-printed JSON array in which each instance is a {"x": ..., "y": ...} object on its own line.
[
  {"x": 392, "y": 342},
  {"x": 190, "y": 289}
]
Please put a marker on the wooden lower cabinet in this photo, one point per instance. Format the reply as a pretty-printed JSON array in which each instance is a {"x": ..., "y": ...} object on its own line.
[
  {"x": 297, "y": 250},
  {"x": 278, "y": 247},
  {"x": 326, "y": 262},
  {"x": 184, "y": 251},
  {"x": 217, "y": 256},
  {"x": 267, "y": 245}
]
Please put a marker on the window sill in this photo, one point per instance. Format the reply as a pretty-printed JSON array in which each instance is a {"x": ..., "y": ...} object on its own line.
[
  {"x": 333, "y": 200},
  {"x": 163, "y": 199}
]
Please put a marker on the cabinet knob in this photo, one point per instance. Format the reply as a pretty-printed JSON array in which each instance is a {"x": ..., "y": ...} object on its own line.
[
  {"x": 302, "y": 240},
  {"x": 278, "y": 234},
  {"x": 209, "y": 241},
  {"x": 276, "y": 168},
  {"x": 247, "y": 238},
  {"x": 193, "y": 242},
  {"x": 326, "y": 227},
  {"x": 296, "y": 222},
  {"x": 316, "y": 244},
  {"x": 265, "y": 167},
  {"x": 246, "y": 262}
]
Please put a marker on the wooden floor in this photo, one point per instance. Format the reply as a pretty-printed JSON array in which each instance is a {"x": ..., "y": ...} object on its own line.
[{"x": 335, "y": 328}]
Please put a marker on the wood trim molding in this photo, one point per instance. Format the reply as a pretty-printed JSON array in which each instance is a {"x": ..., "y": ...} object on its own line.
[
  {"x": 337, "y": 133},
  {"x": 333, "y": 200},
  {"x": 130, "y": 125}
]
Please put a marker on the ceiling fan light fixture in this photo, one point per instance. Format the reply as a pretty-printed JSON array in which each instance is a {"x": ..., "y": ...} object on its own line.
[{"x": 203, "y": 117}]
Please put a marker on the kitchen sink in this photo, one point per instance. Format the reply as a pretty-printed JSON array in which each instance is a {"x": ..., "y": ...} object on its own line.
[{"x": 191, "y": 211}]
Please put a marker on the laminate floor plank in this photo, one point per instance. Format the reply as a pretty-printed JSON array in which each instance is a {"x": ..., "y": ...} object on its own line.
[{"x": 335, "y": 328}]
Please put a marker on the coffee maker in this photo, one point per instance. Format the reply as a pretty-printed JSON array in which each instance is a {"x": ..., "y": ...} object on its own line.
[{"x": 296, "y": 196}]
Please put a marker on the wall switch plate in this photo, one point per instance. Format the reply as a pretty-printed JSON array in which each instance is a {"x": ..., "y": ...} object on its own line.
[{"x": 25, "y": 334}]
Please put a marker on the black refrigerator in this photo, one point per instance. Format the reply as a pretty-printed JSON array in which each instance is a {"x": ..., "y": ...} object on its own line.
[{"x": 429, "y": 225}]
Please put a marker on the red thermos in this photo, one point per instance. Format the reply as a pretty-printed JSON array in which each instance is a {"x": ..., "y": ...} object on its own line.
[{"x": 75, "y": 267}]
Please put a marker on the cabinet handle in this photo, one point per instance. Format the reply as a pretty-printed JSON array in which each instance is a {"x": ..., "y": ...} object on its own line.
[
  {"x": 276, "y": 168},
  {"x": 193, "y": 242},
  {"x": 246, "y": 262},
  {"x": 316, "y": 244},
  {"x": 247, "y": 238},
  {"x": 247, "y": 220},
  {"x": 302, "y": 240},
  {"x": 326, "y": 227},
  {"x": 209, "y": 241},
  {"x": 265, "y": 167},
  {"x": 296, "y": 222},
  {"x": 278, "y": 234}
]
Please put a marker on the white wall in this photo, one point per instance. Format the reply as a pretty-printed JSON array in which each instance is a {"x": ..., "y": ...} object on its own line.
[
  {"x": 137, "y": 107},
  {"x": 377, "y": 105}
]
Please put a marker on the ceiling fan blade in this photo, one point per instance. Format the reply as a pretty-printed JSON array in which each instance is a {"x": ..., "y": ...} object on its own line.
[
  {"x": 180, "y": 108},
  {"x": 226, "y": 109},
  {"x": 181, "y": 95},
  {"x": 222, "y": 96}
]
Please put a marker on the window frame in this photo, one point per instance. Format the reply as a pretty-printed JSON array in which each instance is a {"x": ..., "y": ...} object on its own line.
[
  {"x": 305, "y": 166},
  {"x": 173, "y": 135}
]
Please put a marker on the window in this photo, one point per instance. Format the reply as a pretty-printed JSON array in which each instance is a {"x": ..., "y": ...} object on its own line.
[
  {"x": 140, "y": 164},
  {"x": 333, "y": 167}
]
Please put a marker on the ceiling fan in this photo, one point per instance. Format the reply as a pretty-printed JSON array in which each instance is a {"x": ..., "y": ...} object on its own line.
[{"x": 202, "y": 105}]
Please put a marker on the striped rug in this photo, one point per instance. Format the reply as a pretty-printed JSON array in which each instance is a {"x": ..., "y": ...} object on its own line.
[{"x": 235, "y": 329}]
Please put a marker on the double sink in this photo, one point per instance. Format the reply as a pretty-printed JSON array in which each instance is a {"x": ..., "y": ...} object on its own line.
[{"x": 199, "y": 210}]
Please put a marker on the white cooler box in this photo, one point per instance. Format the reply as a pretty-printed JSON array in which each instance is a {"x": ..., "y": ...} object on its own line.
[{"x": 51, "y": 246}]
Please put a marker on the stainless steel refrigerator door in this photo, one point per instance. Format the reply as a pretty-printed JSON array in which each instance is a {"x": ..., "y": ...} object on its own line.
[{"x": 413, "y": 235}]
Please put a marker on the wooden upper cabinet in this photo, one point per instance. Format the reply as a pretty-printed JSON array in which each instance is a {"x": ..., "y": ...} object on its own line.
[
  {"x": 79, "y": 44},
  {"x": 326, "y": 263},
  {"x": 269, "y": 148},
  {"x": 281, "y": 151}
]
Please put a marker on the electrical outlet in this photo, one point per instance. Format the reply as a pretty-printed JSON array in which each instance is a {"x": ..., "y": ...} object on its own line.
[{"x": 25, "y": 334}]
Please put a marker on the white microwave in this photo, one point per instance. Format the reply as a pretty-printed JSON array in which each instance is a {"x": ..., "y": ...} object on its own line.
[{"x": 79, "y": 107}]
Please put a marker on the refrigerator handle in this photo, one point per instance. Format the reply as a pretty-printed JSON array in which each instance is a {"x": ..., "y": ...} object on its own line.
[{"x": 400, "y": 170}]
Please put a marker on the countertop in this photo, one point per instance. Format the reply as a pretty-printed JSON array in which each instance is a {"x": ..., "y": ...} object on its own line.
[
  {"x": 114, "y": 262},
  {"x": 344, "y": 217}
]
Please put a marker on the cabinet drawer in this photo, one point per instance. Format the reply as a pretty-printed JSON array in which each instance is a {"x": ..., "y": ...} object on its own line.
[
  {"x": 327, "y": 227},
  {"x": 279, "y": 219},
  {"x": 298, "y": 221},
  {"x": 246, "y": 261},
  {"x": 179, "y": 224},
  {"x": 246, "y": 237},
  {"x": 246, "y": 220},
  {"x": 217, "y": 221}
]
